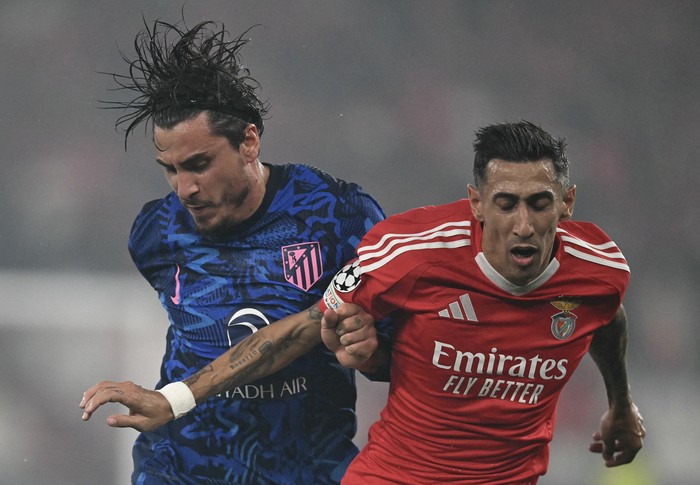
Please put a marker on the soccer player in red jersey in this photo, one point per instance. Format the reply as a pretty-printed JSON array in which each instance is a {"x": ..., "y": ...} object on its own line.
[{"x": 496, "y": 299}]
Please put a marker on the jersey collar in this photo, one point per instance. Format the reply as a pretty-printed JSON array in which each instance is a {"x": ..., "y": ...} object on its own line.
[{"x": 517, "y": 290}]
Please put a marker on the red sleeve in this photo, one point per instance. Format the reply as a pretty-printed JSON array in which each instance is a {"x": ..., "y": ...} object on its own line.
[{"x": 351, "y": 286}]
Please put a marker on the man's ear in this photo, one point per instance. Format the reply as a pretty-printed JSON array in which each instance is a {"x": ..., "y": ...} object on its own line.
[
  {"x": 568, "y": 201},
  {"x": 475, "y": 202},
  {"x": 250, "y": 146}
]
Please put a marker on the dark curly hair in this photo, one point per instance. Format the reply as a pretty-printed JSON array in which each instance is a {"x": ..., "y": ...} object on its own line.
[
  {"x": 520, "y": 141},
  {"x": 180, "y": 72}
]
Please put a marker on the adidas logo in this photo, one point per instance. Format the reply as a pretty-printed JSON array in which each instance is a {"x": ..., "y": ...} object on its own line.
[{"x": 461, "y": 309}]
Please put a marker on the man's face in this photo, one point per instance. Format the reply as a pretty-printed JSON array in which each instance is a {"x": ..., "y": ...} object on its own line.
[
  {"x": 219, "y": 185},
  {"x": 520, "y": 205}
]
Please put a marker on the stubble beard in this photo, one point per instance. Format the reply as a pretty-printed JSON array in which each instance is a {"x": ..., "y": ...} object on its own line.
[{"x": 227, "y": 225}]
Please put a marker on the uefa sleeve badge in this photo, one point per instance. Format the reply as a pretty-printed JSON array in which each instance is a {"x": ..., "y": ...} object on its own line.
[{"x": 348, "y": 278}]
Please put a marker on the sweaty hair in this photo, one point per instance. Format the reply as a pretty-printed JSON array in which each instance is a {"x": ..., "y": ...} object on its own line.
[
  {"x": 179, "y": 73},
  {"x": 518, "y": 142}
]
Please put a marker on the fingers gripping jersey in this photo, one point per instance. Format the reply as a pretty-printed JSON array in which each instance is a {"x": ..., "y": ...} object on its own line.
[
  {"x": 477, "y": 362},
  {"x": 295, "y": 426}
]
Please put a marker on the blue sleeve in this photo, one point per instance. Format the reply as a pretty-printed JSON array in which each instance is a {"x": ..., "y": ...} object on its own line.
[
  {"x": 144, "y": 240},
  {"x": 369, "y": 211}
]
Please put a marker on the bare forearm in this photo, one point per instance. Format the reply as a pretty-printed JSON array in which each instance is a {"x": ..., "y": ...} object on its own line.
[
  {"x": 263, "y": 353},
  {"x": 608, "y": 350}
]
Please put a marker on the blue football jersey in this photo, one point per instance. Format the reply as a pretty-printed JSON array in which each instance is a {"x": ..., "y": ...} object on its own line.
[{"x": 295, "y": 426}]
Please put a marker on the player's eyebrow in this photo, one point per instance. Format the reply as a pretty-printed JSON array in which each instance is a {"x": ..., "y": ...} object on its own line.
[
  {"x": 545, "y": 194},
  {"x": 191, "y": 160},
  {"x": 504, "y": 195}
]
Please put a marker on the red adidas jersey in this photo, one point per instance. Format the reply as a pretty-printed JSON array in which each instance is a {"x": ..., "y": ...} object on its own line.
[{"x": 477, "y": 362}]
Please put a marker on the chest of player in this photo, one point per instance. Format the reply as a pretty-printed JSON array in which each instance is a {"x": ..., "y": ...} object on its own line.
[
  {"x": 225, "y": 291},
  {"x": 471, "y": 331},
  {"x": 277, "y": 254}
]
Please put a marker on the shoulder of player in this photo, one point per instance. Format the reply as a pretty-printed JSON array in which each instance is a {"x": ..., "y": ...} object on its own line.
[
  {"x": 309, "y": 186},
  {"x": 425, "y": 234},
  {"x": 155, "y": 210},
  {"x": 588, "y": 245},
  {"x": 433, "y": 218},
  {"x": 311, "y": 179},
  {"x": 585, "y": 234},
  {"x": 146, "y": 231},
  {"x": 296, "y": 179}
]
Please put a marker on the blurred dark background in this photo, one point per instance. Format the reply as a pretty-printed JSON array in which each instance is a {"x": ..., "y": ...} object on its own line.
[{"x": 386, "y": 93}]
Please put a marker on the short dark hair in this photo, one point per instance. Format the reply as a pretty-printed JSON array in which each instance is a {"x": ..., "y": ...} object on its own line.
[
  {"x": 179, "y": 73},
  {"x": 518, "y": 142}
]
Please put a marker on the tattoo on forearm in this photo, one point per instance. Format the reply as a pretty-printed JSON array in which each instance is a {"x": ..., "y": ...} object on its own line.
[
  {"x": 265, "y": 347},
  {"x": 315, "y": 313},
  {"x": 241, "y": 362},
  {"x": 256, "y": 357},
  {"x": 195, "y": 377}
]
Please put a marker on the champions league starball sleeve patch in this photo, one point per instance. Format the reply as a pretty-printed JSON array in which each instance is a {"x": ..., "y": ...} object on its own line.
[{"x": 345, "y": 281}]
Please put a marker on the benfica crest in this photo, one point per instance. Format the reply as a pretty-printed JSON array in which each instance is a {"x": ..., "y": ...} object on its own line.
[
  {"x": 564, "y": 322},
  {"x": 302, "y": 264}
]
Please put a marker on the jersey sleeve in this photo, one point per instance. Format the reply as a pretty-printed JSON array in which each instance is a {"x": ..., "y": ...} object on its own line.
[
  {"x": 366, "y": 281},
  {"x": 350, "y": 286},
  {"x": 358, "y": 213},
  {"x": 144, "y": 239},
  {"x": 595, "y": 261}
]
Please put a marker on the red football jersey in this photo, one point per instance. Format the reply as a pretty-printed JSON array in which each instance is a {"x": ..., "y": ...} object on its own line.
[{"x": 478, "y": 363}]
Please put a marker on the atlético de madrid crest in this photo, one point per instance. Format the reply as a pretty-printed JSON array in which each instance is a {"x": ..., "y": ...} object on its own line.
[
  {"x": 564, "y": 322},
  {"x": 302, "y": 264}
]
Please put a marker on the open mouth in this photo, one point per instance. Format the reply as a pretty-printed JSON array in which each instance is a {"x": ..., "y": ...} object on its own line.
[{"x": 523, "y": 254}]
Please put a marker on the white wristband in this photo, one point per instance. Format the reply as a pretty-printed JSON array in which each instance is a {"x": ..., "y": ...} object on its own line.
[{"x": 180, "y": 398}]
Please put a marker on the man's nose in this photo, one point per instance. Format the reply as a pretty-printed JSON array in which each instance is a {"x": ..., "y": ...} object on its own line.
[
  {"x": 523, "y": 226},
  {"x": 187, "y": 185}
]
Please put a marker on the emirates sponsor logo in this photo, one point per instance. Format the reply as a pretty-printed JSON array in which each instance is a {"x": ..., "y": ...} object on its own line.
[{"x": 496, "y": 375}]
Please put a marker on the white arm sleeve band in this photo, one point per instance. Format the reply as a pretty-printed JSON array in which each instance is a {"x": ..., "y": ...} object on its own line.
[{"x": 180, "y": 398}]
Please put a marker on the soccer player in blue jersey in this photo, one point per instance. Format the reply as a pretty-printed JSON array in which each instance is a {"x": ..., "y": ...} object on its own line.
[
  {"x": 497, "y": 298},
  {"x": 236, "y": 245}
]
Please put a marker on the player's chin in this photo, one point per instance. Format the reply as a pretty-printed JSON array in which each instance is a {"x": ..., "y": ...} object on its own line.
[
  {"x": 211, "y": 226},
  {"x": 522, "y": 275},
  {"x": 219, "y": 220}
]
